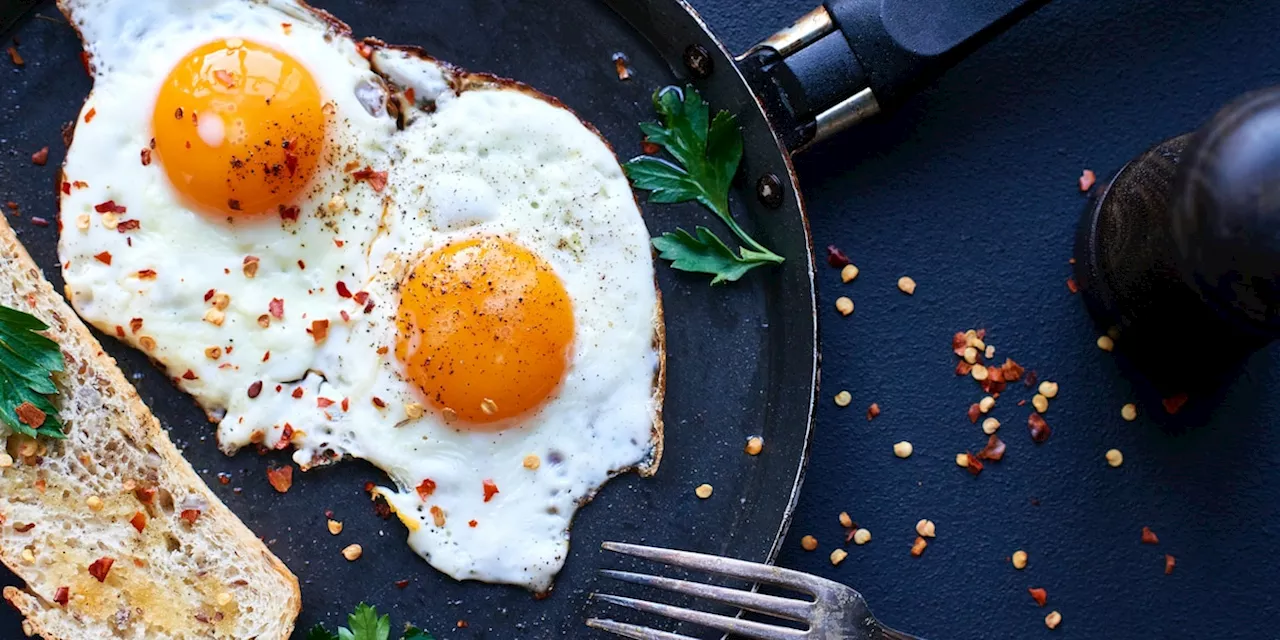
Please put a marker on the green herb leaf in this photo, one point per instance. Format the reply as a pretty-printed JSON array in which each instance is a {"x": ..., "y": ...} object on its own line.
[
  {"x": 707, "y": 152},
  {"x": 27, "y": 359},
  {"x": 366, "y": 625},
  {"x": 318, "y": 632},
  {"x": 414, "y": 633},
  {"x": 706, "y": 253}
]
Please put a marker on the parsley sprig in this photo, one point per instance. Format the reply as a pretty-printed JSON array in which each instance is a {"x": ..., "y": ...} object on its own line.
[
  {"x": 707, "y": 151},
  {"x": 366, "y": 624},
  {"x": 27, "y": 359}
]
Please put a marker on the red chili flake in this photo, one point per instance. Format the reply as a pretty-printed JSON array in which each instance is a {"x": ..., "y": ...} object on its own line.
[
  {"x": 1149, "y": 536},
  {"x": 16, "y": 57},
  {"x": 40, "y": 157},
  {"x": 1039, "y": 595},
  {"x": 382, "y": 509},
  {"x": 62, "y": 596},
  {"x": 835, "y": 257},
  {"x": 147, "y": 274},
  {"x": 994, "y": 449},
  {"x": 288, "y": 214},
  {"x": 346, "y": 402},
  {"x": 109, "y": 206},
  {"x": 918, "y": 547},
  {"x": 139, "y": 521},
  {"x": 287, "y": 26},
  {"x": 1169, "y": 563},
  {"x": 400, "y": 584},
  {"x": 30, "y": 415},
  {"x": 365, "y": 49},
  {"x": 190, "y": 515},
  {"x": 426, "y": 488},
  {"x": 1011, "y": 370},
  {"x": 297, "y": 392},
  {"x": 319, "y": 330},
  {"x": 975, "y": 465},
  {"x": 255, "y": 389},
  {"x": 104, "y": 257},
  {"x": 266, "y": 356},
  {"x": 963, "y": 368},
  {"x": 1040, "y": 430},
  {"x": 345, "y": 316},
  {"x": 290, "y": 158},
  {"x": 79, "y": 184},
  {"x": 135, "y": 325},
  {"x": 100, "y": 568},
  {"x": 873, "y": 411},
  {"x": 224, "y": 477},
  {"x": 279, "y": 387},
  {"x": 994, "y": 383},
  {"x": 343, "y": 290},
  {"x": 88, "y": 116},
  {"x": 84, "y": 60},
  {"x": 473, "y": 524},
  {"x": 13, "y": 206},
  {"x": 1072, "y": 286},
  {"x": 324, "y": 403},
  {"x": 39, "y": 222},
  {"x": 974, "y": 412},
  {"x": 649, "y": 148},
  {"x": 489, "y": 490},
  {"x": 379, "y": 403},
  {"x": 368, "y": 487},
  {"x": 66, "y": 188},
  {"x": 1087, "y": 178},
  {"x": 145, "y": 495},
  {"x": 276, "y": 307},
  {"x": 281, "y": 478},
  {"x": 232, "y": 203},
  {"x": 24, "y": 528},
  {"x": 302, "y": 265},
  {"x": 376, "y": 179},
  {"x": 958, "y": 343},
  {"x": 338, "y": 243},
  {"x": 361, "y": 297},
  {"x": 462, "y": 624},
  {"x": 1173, "y": 404}
]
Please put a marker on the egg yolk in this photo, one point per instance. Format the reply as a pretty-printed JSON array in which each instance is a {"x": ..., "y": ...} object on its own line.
[
  {"x": 484, "y": 329},
  {"x": 239, "y": 127}
]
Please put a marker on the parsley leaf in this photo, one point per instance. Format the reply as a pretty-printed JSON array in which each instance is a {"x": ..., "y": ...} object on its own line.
[
  {"x": 707, "y": 153},
  {"x": 27, "y": 359},
  {"x": 366, "y": 624}
]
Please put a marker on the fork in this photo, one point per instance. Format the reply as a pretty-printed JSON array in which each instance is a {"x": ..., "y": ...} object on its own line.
[{"x": 836, "y": 612}]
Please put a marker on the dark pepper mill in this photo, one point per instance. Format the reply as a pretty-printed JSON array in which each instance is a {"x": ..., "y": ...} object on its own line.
[{"x": 1178, "y": 257}]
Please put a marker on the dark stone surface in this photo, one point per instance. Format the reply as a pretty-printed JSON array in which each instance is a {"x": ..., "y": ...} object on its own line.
[{"x": 971, "y": 190}]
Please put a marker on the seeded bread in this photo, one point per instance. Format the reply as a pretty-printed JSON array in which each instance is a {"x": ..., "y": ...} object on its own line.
[{"x": 193, "y": 571}]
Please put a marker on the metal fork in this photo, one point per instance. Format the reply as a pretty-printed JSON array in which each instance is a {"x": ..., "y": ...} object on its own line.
[{"x": 836, "y": 612}]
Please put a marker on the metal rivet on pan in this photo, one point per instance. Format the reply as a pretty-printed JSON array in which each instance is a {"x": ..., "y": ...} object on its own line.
[
  {"x": 698, "y": 61},
  {"x": 769, "y": 190}
]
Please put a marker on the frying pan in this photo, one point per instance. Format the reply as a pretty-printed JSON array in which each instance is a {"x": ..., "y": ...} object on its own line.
[{"x": 743, "y": 358}]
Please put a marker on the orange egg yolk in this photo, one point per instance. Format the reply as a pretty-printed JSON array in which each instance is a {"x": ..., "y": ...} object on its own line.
[
  {"x": 239, "y": 127},
  {"x": 484, "y": 330}
]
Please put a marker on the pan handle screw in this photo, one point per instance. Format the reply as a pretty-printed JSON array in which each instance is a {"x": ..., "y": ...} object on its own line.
[
  {"x": 698, "y": 61},
  {"x": 769, "y": 190}
]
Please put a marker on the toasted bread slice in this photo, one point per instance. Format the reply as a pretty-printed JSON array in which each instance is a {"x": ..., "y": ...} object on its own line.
[{"x": 192, "y": 571}]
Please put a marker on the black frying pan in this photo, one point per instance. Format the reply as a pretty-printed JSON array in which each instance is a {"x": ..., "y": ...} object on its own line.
[{"x": 742, "y": 358}]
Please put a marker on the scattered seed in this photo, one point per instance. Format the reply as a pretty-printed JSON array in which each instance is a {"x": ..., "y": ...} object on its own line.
[
  {"x": 1054, "y": 618},
  {"x": 808, "y": 543},
  {"x": 962, "y": 460},
  {"x": 224, "y": 599},
  {"x": 1019, "y": 559},
  {"x": 1087, "y": 178},
  {"x": 94, "y": 503},
  {"x": 1040, "y": 402},
  {"x": 907, "y": 285},
  {"x": 845, "y": 520},
  {"x": 844, "y": 305},
  {"x": 848, "y": 273},
  {"x": 990, "y": 426},
  {"x": 214, "y": 317},
  {"x": 970, "y": 355},
  {"x": 335, "y": 527},
  {"x": 903, "y": 449},
  {"x": 82, "y": 222},
  {"x": 843, "y": 399},
  {"x": 838, "y": 556},
  {"x": 352, "y": 552},
  {"x": 1049, "y": 389},
  {"x": 990, "y": 352},
  {"x": 1114, "y": 457},
  {"x": 28, "y": 556},
  {"x": 979, "y": 372},
  {"x": 755, "y": 444},
  {"x": 1106, "y": 343},
  {"x": 986, "y": 404},
  {"x": 413, "y": 410},
  {"x": 1129, "y": 412},
  {"x": 488, "y": 406},
  {"x": 926, "y": 528},
  {"x": 861, "y": 536},
  {"x": 703, "y": 491},
  {"x": 221, "y": 301}
]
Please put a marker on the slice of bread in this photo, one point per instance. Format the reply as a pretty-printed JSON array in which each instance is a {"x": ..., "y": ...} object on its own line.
[{"x": 193, "y": 571}]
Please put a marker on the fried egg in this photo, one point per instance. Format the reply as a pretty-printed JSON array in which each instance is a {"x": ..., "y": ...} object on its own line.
[{"x": 353, "y": 249}]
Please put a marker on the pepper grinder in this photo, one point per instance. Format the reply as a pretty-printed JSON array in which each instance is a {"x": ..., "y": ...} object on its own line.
[{"x": 1178, "y": 256}]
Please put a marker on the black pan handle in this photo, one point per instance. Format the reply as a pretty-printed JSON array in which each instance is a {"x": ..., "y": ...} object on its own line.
[{"x": 848, "y": 60}]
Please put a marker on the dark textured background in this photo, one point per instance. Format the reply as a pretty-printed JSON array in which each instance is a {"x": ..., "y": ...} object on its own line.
[{"x": 971, "y": 191}]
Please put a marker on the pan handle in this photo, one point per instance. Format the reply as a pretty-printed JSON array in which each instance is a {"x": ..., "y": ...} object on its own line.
[{"x": 848, "y": 60}]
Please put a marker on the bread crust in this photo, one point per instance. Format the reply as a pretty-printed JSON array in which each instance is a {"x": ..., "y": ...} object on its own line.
[{"x": 129, "y": 423}]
